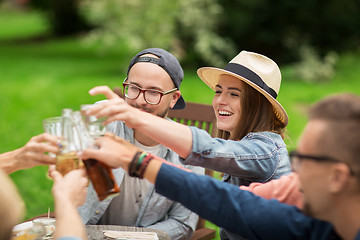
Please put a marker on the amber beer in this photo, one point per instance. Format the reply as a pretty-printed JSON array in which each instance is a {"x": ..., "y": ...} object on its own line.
[
  {"x": 100, "y": 174},
  {"x": 65, "y": 162},
  {"x": 102, "y": 178}
]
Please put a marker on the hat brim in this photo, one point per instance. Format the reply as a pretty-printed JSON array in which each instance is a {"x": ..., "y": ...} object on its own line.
[{"x": 211, "y": 75}]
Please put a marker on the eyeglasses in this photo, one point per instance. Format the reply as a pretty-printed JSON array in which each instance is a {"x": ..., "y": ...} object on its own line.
[
  {"x": 296, "y": 159},
  {"x": 151, "y": 96}
]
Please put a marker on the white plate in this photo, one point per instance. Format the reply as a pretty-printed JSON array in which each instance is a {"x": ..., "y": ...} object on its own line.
[
  {"x": 23, "y": 226},
  {"x": 46, "y": 221}
]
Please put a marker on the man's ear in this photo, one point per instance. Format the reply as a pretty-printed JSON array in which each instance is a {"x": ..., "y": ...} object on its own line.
[
  {"x": 175, "y": 97},
  {"x": 339, "y": 177}
]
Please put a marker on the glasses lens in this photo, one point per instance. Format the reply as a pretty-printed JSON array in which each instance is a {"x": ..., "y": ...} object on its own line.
[
  {"x": 294, "y": 161},
  {"x": 152, "y": 97},
  {"x": 131, "y": 91}
]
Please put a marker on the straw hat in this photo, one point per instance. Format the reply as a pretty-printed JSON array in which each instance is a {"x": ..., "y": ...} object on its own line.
[{"x": 258, "y": 71}]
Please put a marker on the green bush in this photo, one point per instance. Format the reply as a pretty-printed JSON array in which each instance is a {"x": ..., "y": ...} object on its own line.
[{"x": 313, "y": 68}]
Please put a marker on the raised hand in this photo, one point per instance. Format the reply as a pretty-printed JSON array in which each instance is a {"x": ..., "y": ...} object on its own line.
[
  {"x": 112, "y": 150},
  {"x": 115, "y": 109},
  {"x": 70, "y": 188},
  {"x": 69, "y": 192},
  {"x": 32, "y": 154}
]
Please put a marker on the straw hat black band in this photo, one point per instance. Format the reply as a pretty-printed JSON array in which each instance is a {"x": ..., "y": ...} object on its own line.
[{"x": 251, "y": 76}]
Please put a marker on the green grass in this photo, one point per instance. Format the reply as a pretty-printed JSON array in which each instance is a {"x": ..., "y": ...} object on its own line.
[
  {"x": 18, "y": 24},
  {"x": 40, "y": 78}
]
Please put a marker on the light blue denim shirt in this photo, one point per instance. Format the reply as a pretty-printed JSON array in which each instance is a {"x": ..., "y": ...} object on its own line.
[
  {"x": 156, "y": 212},
  {"x": 258, "y": 157}
]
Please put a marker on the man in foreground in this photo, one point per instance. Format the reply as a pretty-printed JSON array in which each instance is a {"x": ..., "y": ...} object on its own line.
[{"x": 326, "y": 161}]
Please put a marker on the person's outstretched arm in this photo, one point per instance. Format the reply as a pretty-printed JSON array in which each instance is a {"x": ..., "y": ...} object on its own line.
[
  {"x": 175, "y": 136},
  {"x": 227, "y": 206},
  {"x": 32, "y": 154},
  {"x": 69, "y": 192}
]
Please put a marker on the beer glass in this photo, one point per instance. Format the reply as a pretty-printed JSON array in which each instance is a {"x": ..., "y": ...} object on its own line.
[
  {"x": 100, "y": 174},
  {"x": 66, "y": 158}
]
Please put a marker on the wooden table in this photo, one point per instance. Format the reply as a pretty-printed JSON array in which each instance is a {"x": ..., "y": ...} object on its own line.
[{"x": 95, "y": 232}]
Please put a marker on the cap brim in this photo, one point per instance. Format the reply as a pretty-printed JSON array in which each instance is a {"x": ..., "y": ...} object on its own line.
[
  {"x": 180, "y": 104},
  {"x": 210, "y": 76}
]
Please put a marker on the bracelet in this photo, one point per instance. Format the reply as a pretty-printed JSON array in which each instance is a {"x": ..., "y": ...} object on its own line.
[
  {"x": 140, "y": 160},
  {"x": 139, "y": 164},
  {"x": 132, "y": 166},
  {"x": 144, "y": 162},
  {"x": 144, "y": 165}
]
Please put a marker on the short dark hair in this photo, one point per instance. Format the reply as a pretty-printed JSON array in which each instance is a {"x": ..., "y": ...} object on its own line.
[{"x": 341, "y": 140}]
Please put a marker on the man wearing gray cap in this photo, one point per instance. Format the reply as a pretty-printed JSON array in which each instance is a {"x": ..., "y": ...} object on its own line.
[{"x": 152, "y": 85}]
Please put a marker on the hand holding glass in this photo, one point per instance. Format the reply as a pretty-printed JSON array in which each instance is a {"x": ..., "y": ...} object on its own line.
[{"x": 99, "y": 173}]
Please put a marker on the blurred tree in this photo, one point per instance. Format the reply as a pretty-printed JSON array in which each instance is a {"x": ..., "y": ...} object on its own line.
[
  {"x": 63, "y": 15},
  {"x": 186, "y": 28},
  {"x": 281, "y": 28},
  {"x": 212, "y": 31}
]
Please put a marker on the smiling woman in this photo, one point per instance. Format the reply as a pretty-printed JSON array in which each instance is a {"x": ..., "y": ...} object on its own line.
[
  {"x": 234, "y": 97},
  {"x": 226, "y": 103}
]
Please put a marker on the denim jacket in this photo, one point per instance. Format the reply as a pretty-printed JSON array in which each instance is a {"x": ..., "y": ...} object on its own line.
[
  {"x": 156, "y": 212},
  {"x": 258, "y": 157}
]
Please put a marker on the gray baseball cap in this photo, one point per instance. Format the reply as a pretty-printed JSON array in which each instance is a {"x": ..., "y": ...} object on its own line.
[{"x": 168, "y": 62}]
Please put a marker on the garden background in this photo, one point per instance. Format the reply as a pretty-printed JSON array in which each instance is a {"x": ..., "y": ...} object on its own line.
[{"x": 52, "y": 52}]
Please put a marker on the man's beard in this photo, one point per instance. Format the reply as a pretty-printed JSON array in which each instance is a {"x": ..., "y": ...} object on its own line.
[{"x": 161, "y": 114}]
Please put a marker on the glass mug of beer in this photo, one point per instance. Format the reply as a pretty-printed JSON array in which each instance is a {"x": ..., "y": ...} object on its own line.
[
  {"x": 66, "y": 158},
  {"x": 74, "y": 135}
]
